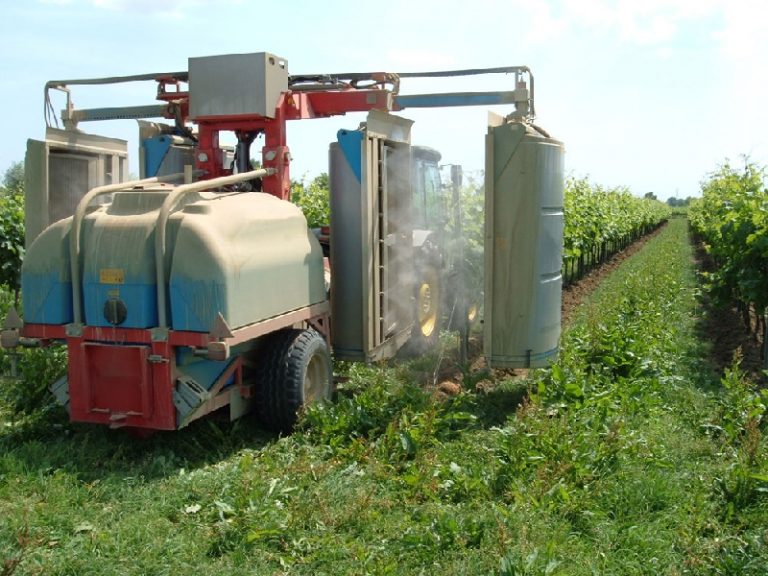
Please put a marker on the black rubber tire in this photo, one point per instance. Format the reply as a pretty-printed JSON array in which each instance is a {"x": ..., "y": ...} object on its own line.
[{"x": 291, "y": 357}]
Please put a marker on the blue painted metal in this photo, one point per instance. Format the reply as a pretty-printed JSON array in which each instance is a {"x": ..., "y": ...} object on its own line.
[
  {"x": 350, "y": 142},
  {"x": 454, "y": 99},
  {"x": 140, "y": 301},
  {"x": 47, "y": 299},
  {"x": 155, "y": 150},
  {"x": 195, "y": 304},
  {"x": 204, "y": 372}
]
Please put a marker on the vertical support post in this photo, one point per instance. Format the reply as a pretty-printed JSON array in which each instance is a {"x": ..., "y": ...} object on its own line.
[
  {"x": 765, "y": 338},
  {"x": 208, "y": 157},
  {"x": 164, "y": 380},
  {"x": 275, "y": 154},
  {"x": 461, "y": 285}
]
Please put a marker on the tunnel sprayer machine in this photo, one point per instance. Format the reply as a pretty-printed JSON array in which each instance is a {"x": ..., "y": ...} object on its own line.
[{"x": 199, "y": 286}]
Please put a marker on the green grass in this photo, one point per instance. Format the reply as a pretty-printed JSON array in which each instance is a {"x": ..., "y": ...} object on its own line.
[{"x": 627, "y": 457}]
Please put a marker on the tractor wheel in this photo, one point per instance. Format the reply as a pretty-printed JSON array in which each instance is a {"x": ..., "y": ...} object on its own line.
[
  {"x": 294, "y": 372},
  {"x": 426, "y": 327}
]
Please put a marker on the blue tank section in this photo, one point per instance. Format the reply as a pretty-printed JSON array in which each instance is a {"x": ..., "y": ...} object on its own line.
[
  {"x": 138, "y": 299},
  {"x": 45, "y": 277},
  {"x": 47, "y": 299}
]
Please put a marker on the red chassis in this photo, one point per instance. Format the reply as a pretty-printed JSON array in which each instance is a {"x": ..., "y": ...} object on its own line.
[{"x": 126, "y": 376}]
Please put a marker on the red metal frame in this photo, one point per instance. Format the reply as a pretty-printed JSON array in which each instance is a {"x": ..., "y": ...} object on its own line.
[
  {"x": 97, "y": 370},
  {"x": 135, "y": 368},
  {"x": 275, "y": 153}
]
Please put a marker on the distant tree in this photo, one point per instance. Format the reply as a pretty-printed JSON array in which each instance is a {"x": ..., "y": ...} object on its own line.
[
  {"x": 679, "y": 202},
  {"x": 650, "y": 196},
  {"x": 14, "y": 177}
]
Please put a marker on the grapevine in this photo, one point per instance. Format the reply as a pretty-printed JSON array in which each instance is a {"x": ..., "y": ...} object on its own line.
[{"x": 602, "y": 221}]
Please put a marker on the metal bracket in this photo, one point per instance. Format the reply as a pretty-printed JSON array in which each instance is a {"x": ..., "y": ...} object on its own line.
[
  {"x": 60, "y": 390},
  {"x": 159, "y": 334},
  {"x": 13, "y": 321},
  {"x": 74, "y": 330},
  {"x": 187, "y": 396}
]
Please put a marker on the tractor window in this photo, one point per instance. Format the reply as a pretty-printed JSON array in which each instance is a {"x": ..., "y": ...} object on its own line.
[
  {"x": 434, "y": 203},
  {"x": 428, "y": 203}
]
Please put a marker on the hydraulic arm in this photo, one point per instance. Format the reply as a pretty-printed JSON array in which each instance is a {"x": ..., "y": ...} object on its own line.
[{"x": 297, "y": 97}]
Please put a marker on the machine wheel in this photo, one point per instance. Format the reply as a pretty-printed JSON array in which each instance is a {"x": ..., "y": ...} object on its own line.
[
  {"x": 294, "y": 372},
  {"x": 427, "y": 318}
]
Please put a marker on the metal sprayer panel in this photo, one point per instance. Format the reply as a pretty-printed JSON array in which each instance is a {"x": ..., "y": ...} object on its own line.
[
  {"x": 523, "y": 246},
  {"x": 61, "y": 169},
  {"x": 347, "y": 302},
  {"x": 371, "y": 239}
]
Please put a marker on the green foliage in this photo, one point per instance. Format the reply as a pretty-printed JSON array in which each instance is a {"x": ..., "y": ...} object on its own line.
[
  {"x": 597, "y": 218},
  {"x": 679, "y": 202},
  {"x": 396, "y": 419},
  {"x": 472, "y": 205},
  {"x": 13, "y": 179},
  {"x": 575, "y": 434},
  {"x": 472, "y": 198},
  {"x": 314, "y": 200},
  {"x": 732, "y": 219},
  {"x": 740, "y": 423},
  {"x": 38, "y": 369},
  {"x": 11, "y": 237}
]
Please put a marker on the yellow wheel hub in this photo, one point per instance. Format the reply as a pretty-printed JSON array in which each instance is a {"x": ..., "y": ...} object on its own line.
[
  {"x": 472, "y": 313},
  {"x": 429, "y": 298}
]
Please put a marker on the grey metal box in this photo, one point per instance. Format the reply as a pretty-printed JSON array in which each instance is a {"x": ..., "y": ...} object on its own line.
[
  {"x": 61, "y": 169},
  {"x": 236, "y": 84}
]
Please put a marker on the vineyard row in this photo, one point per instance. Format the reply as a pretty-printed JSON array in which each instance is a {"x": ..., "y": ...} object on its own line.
[{"x": 600, "y": 222}]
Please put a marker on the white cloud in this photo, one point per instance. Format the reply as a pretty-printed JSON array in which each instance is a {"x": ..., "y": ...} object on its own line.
[
  {"x": 651, "y": 22},
  {"x": 743, "y": 46},
  {"x": 745, "y": 30},
  {"x": 543, "y": 26}
]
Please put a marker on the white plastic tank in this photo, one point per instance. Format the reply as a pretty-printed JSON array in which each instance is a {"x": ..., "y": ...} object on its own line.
[
  {"x": 245, "y": 255},
  {"x": 523, "y": 245}
]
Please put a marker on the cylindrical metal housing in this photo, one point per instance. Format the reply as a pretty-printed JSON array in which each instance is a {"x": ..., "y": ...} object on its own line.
[
  {"x": 523, "y": 246},
  {"x": 348, "y": 302}
]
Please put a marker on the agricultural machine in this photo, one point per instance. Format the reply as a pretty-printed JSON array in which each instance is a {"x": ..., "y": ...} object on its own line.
[{"x": 199, "y": 286}]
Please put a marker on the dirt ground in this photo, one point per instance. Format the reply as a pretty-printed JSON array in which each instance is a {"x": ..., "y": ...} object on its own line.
[{"x": 725, "y": 330}]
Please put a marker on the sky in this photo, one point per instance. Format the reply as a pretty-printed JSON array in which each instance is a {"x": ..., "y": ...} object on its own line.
[{"x": 648, "y": 94}]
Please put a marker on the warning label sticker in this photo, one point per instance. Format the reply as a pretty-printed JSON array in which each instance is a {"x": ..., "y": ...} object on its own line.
[{"x": 111, "y": 276}]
